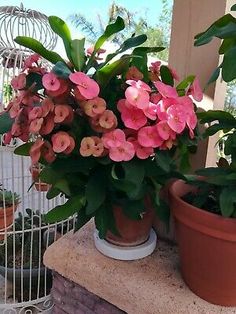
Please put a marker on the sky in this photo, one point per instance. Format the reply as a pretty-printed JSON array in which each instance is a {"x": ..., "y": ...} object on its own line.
[{"x": 89, "y": 8}]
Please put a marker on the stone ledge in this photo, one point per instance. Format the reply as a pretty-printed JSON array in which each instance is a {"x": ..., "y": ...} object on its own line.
[{"x": 152, "y": 285}]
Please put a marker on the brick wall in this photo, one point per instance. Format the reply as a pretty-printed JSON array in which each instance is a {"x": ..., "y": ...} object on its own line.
[{"x": 71, "y": 298}]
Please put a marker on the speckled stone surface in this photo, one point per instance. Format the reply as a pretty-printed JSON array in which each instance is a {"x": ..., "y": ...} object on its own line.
[{"x": 152, "y": 285}]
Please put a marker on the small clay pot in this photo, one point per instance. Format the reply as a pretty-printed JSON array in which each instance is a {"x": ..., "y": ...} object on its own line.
[
  {"x": 6, "y": 218},
  {"x": 207, "y": 247},
  {"x": 132, "y": 232}
]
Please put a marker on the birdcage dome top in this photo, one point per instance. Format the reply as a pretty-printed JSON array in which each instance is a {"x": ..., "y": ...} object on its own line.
[{"x": 19, "y": 21}]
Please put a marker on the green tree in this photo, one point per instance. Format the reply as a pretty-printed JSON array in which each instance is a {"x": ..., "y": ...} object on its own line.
[{"x": 158, "y": 35}]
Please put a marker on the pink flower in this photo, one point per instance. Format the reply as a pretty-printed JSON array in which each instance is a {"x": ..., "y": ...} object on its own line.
[
  {"x": 155, "y": 67},
  {"x": 162, "y": 107},
  {"x": 98, "y": 147},
  {"x": 61, "y": 94},
  {"x": 139, "y": 84},
  {"x": 149, "y": 137},
  {"x": 51, "y": 82},
  {"x": 151, "y": 111},
  {"x": 47, "y": 106},
  {"x": 165, "y": 90},
  {"x": 174, "y": 74},
  {"x": 13, "y": 108},
  {"x": 47, "y": 152},
  {"x": 108, "y": 120},
  {"x": 176, "y": 118},
  {"x": 137, "y": 97},
  {"x": 141, "y": 152},
  {"x": 133, "y": 74},
  {"x": 35, "y": 150},
  {"x": 155, "y": 98},
  {"x": 113, "y": 138},
  {"x": 87, "y": 146},
  {"x": 19, "y": 81},
  {"x": 125, "y": 152},
  {"x": 71, "y": 146},
  {"x": 61, "y": 141},
  {"x": 63, "y": 114},
  {"x": 31, "y": 60},
  {"x": 100, "y": 51},
  {"x": 35, "y": 113},
  {"x": 35, "y": 125},
  {"x": 87, "y": 86},
  {"x": 133, "y": 118},
  {"x": 164, "y": 130},
  {"x": 195, "y": 90},
  {"x": 94, "y": 106},
  {"x": 48, "y": 124}
]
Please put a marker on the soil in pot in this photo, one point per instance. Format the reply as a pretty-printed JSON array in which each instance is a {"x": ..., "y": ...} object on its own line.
[{"x": 207, "y": 246}]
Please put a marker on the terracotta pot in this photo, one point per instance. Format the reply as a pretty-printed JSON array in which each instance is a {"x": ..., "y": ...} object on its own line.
[
  {"x": 132, "y": 232},
  {"x": 207, "y": 246},
  {"x": 6, "y": 218},
  {"x": 39, "y": 186}
]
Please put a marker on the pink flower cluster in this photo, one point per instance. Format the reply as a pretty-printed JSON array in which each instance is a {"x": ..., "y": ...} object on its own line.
[{"x": 149, "y": 117}]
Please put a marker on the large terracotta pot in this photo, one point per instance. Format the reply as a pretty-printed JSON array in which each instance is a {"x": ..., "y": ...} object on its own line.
[
  {"x": 132, "y": 232},
  {"x": 207, "y": 246},
  {"x": 6, "y": 218}
]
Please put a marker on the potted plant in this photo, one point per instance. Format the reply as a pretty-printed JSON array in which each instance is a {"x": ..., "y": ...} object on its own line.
[
  {"x": 21, "y": 254},
  {"x": 205, "y": 207},
  {"x": 8, "y": 204},
  {"x": 107, "y": 131},
  {"x": 38, "y": 184}
]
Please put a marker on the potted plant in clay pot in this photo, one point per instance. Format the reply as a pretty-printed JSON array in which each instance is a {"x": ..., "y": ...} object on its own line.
[
  {"x": 205, "y": 207},
  {"x": 8, "y": 204},
  {"x": 38, "y": 184},
  {"x": 106, "y": 132}
]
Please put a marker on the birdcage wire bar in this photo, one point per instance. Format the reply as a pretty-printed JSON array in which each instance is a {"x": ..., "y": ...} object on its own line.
[{"x": 24, "y": 233}]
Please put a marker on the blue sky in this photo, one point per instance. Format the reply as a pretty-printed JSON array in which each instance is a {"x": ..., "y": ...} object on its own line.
[
  {"x": 89, "y": 8},
  {"x": 63, "y": 8}
]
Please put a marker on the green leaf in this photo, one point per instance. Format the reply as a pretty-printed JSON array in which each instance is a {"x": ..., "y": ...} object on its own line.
[
  {"x": 163, "y": 160},
  {"x": 61, "y": 212},
  {"x": 62, "y": 30},
  {"x": 81, "y": 219},
  {"x": 61, "y": 70},
  {"x": 229, "y": 65},
  {"x": 185, "y": 83},
  {"x": 5, "y": 122},
  {"x": 106, "y": 73},
  {"x": 162, "y": 210},
  {"x": 213, "y": 115},
  {"x": 95, "y": 192},
  {"x": 77, "y": 53},
  {"x": 166, "y": 75},
  {"x": 34, "y": 79},
  {"x": 63, "y": 186},
  {"x": 134, "y": 209},
  {"x": 37, "y": 47},
  {"x": 214, "y": 76},
  {"x": 226, "y": 45},
  {"x": 102, "y": 221},
  {"x": 50, "y": 176},
  {"x": 228, "y": 201},
  {"x": 212, "y": 171},
  {"x": 110, "y": 30},
  {"x": 141, "y": 62},
  {"x": 134, "y": 171},
  {"x": 23, "y": 150},
  {"x": 225, "y": 27},
  {"x": 127, "y": 44},
  {"x": 52, "y": 192}
]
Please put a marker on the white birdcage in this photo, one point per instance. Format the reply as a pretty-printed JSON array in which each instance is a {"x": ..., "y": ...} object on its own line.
[{"x": 24, "y": 234}]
